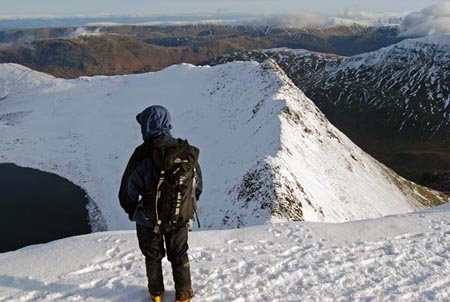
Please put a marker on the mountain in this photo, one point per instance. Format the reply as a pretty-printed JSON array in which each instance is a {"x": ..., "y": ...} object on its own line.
[
  {"x": 393, "y": 102},
  {"x": 397, "y": 258},
  {"x": 267, "y": 151},
  {"x": 114, "y": 50},
  {"x": 72, "y": 57}
]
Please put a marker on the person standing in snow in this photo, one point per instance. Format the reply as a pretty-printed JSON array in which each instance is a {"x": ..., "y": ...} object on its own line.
[{"x": 145, "y": 181}]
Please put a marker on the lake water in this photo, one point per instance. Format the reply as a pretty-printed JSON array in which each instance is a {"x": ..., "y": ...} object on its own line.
[{"x": 38, "y": 207}]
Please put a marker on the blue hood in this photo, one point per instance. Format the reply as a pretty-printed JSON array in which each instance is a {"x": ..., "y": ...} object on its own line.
[{"x": 154, "y": 121}]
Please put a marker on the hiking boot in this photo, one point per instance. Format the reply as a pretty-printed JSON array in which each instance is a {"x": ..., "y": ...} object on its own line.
[
  {"x": 188, "y": 299},
  {"x": 157, "y": 297}
]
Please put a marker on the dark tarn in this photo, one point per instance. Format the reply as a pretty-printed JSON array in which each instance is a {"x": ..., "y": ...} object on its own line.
[{"x": 38, "y": 207}]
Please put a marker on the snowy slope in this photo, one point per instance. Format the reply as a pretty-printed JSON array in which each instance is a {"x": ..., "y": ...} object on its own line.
[
  {"x": 412, "y": 75},
  {"x": 405, "y": 83},
  {"x": 400, "y": 258},
  {"x": 267, "y": 151}
]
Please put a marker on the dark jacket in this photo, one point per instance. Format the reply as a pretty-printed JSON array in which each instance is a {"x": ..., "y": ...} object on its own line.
[{"x": 155, "y": 127}]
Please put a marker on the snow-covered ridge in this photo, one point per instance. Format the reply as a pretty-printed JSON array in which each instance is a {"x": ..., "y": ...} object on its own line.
[
  {"x": 409, "y": 80},
  {"x": 327, "y": 177},
  {"x": 14, "y": 76},
  {"x": 412, "y": 75},
  {"x": 439, "y": 44},
  {"x": 267, "y": 152},
  {"x": 433, "y": 48}
]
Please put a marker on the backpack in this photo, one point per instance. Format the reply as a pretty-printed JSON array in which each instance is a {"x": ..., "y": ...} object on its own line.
[{"x": 172, "y": 201}]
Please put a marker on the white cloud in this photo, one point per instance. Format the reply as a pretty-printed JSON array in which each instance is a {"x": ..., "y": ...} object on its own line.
[
  {"x": 352, "y": 15},
  {"x": 432, "y": 20},
  {"x": 297, "y": 21},
  {"x": 83, "y": 31}
]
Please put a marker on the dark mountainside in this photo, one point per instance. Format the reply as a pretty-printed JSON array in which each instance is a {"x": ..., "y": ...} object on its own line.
[
  {"x": 393, "y": 102},
  {"x": 69, "y": 52}
]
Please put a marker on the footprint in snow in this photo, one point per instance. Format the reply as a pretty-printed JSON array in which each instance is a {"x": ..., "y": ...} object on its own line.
[
  {"x": 104, "y": 239},
  {"x": 92, "y": 284},
  {"x": 115, "y": 283},
  {"x": 113, "y": 252}
]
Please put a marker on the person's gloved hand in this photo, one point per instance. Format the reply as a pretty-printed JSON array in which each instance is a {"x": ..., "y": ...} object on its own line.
[
  {"x": 138, "y": 216},
  {"x": 132, "y": 214}
]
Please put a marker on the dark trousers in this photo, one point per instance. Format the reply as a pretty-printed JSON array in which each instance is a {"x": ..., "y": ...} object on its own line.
[{"x": 152, "y": 246}]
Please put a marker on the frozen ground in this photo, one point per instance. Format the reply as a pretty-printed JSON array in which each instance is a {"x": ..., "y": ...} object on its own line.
[{"x": 398, "y": 258}]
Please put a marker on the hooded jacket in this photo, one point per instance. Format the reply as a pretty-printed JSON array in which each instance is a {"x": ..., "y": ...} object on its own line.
[
  {"x": 154, "y": 121},
  {"x": 155, "y": 124}
]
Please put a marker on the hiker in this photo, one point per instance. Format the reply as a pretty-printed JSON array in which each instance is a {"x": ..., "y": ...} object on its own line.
[{"x": 159, "y": 189}]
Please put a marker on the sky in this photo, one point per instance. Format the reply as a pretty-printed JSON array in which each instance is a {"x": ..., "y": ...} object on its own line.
[{"x": 71, "y": 8}]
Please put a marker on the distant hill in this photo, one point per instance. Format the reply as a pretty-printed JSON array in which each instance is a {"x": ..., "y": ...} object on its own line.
[
  {"x": 115, "y": 50},
  {"x": 107, "y": 55}
]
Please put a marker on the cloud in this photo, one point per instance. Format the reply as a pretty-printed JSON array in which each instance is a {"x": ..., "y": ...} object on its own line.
[
  {"x": 83, "y": 32},
  {"x": 432, "y": 20},
  {"x": 294, "y": 21},
  {"x": 24, "y": 40},
  {"x": 352, "y": 15}
]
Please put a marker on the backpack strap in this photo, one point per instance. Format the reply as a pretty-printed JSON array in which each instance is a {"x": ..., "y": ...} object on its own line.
[
  {"x": 157, "y": 230},
  {"x": 194, "y": 188},
  {"x": 157, "y": 155}
]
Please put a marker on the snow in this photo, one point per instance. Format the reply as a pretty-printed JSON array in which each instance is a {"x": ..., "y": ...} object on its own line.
[
  {"x": 397, "y": 258},
  {"x": 268, "y": 155},
  {"x": 267, "y": 152},
  {"x": 427, "y": 44},
  {"x": 411, "y": 75}
]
